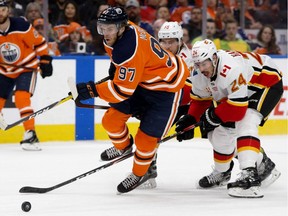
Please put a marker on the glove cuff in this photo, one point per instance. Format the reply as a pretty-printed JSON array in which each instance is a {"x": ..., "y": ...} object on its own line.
[
  {"x": 45, "y": 59},
  {"x": 212, "y": 118}
]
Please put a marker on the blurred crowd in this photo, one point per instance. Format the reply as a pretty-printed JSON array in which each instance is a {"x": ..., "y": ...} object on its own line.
[{"x": 71, "y": 25}]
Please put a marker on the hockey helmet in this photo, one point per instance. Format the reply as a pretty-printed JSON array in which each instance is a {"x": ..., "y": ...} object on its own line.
[
  {"x": 170, "y": 30},
  {"x": 113, "y": 15},
  {"x": 203, "y": 50}
]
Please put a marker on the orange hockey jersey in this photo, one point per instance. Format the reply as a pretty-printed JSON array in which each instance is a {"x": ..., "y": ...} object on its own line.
[
  {"x": 141, "y": 61},
  {"x": 20, "y": 45}
]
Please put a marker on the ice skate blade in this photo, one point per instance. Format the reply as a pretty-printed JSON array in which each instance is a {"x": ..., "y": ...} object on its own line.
[
  {"x": 275, "y": 174},
  {"x": 149, "y": 184},
  {"x": 252, "y": 192},
  {"x": 30, "y": 147}
]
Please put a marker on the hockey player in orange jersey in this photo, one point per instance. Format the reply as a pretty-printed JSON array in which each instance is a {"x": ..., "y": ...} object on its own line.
[
  {"x": 170, "y": 37},
  {"x": 144, "y": 78},
  {"x": 20, "y": 44}
]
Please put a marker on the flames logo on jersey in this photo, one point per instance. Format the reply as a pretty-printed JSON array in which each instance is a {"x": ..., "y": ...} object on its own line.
[{"x": 10, "y": 52}]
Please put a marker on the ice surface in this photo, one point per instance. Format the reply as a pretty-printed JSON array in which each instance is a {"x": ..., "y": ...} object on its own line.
[{"x": 180, "y": 165}]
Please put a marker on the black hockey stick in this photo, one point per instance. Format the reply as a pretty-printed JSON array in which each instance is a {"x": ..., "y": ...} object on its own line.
[
  {"x": 29, "y": 189},
  {"x": 5, "y": 126},
  {"x": 91, "y": 106}
]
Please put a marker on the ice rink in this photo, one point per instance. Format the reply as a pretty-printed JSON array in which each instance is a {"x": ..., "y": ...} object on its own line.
[{"x": 180, "y": 165}]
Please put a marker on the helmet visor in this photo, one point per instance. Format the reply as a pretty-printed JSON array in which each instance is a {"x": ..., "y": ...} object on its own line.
[{"x": 109, "y": 29}]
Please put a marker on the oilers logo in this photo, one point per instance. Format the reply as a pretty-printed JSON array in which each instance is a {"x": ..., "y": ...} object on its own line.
[{"x": 10, "y": 52}]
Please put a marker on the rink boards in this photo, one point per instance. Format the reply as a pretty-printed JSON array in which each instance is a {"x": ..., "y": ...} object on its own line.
[{"x": 66, "y": 122}]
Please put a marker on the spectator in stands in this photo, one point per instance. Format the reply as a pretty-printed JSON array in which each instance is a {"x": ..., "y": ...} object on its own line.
[
  {"x": 267, "y": 12},
  {"x": 33, "y": 11},
  {"x": 157, "y": 25},
  {"x": 195, "y": 24},
  {"x": 92, "y": 22},
  {"x": 210, "y": 33},
  {"x": 119, "y": 3},
  {"x": 40, "y": 2},
  {"x": 230, "y": 41},
  {"x": 181, "y": 12},
  {"x": 69, "y": 45},
  {"x": 38, "y": 24},
  {"x": 88, "y": 11},
  {"x": 70, "y": 13},
  {"x": 56, "y": 9},
  {"x": 148, "y": 11},
  {"x": 282, "y": 24},
  {"x": 133, "y": 11},
  {"x": 186, "y": 38},
  {"x": 211, "y": 9},
  {"x": 16, "y": 9},
  {"x": 163, "y": 13},
  {"x": 97, "y": 46},
  {"x": 266, "y": 41},
  {"x": 251, "y": 20},
  {"x": 163, "y": 3}
]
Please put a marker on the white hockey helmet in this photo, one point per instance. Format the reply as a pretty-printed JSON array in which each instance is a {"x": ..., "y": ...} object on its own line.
[
  {"x": 170, "y": 30},
  {"x": 203, "y": 50}
]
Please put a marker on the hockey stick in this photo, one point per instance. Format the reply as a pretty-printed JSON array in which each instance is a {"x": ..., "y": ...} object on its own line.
[
  {"x": 29, "y": 189},
  {"x": 94, "y": 106},
  {"x": 4, "y": 126}
]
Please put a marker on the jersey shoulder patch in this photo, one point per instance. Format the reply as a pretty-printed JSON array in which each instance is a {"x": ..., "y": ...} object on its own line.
[{"x": 125, "y": 47}]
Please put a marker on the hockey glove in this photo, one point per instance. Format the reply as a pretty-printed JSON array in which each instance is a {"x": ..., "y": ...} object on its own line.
[
  {"x": 86, "y": 90},
  {"x": 46, "y": 66},
  {"x": 184, "y": 122},
  {"x": 209, "y": 121}
]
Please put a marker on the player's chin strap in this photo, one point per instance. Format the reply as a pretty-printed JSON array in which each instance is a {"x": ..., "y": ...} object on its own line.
[{"x": 215, "y": 64}]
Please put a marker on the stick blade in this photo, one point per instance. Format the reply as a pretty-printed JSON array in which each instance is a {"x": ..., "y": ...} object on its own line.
[
  {"x": 3, "y": 124},
  {"x": 72, "y": 85},
  {"x": 28, "y": 189}
]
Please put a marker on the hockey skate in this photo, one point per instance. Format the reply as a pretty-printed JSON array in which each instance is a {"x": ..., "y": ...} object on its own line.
[
  {"x": 216, "y": 178},
  {"x": 151, "y": 175},
  {"x": 30, "y": 141},
  {"x": 267, "y": 172},
  {"x": 131, "y": 182},
  {"x": 248, "y": 185},
  {"x": 113, "y": 153}
]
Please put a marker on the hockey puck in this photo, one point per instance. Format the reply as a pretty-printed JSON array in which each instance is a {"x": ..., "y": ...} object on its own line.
[{"x": 26, "y": 206}]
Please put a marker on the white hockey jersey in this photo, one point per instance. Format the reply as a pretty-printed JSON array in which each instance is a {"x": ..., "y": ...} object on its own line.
[
  {"x": 230, "y": 80},
  {"x": 186, "y": 55},
  {"x": 235, "y": 73}
]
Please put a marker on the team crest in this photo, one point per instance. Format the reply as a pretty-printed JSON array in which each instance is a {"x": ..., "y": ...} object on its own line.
[{"x": 10, "y": 52}]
